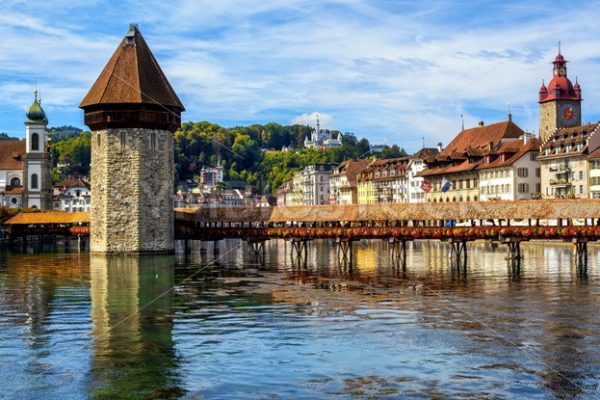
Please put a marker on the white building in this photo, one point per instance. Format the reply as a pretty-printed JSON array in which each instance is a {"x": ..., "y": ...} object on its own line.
[
  {"x": 211, "y": 176},
  {"x": 316, "y": 183},
  {"x": 418, "y": 163},
  {"x": 322, "y": 138},
  {"x": 25, "y": 179},
  {"x": 72, "y": 195},
  {"x": 511, "y": 172}
]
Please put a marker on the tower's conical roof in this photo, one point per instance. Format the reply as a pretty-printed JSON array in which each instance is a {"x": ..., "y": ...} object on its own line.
[{"x": 132, "y": 76}]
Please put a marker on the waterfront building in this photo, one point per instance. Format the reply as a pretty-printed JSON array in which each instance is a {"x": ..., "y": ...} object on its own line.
[
  {"x": 25, "y": 179},
  {"x": 296, "y": 197},
  {"x": 511, "y": 171},
  {"x": 416, "y": 164},
  {"x": 384, "y": 181},
  {"x": 72, "y": 195},
  {"x": 322, "y": 138},
  {"x": 560, "y": 102},
  {"x": 316, "y": 183},
  {"x": 452, "y": 175},
  {"x": 564, "y": 162},
  {"x": 132, "y": 111},
  {"x": 566, "y": 144},
  {"x": 594, "y": 174},
  {"x": 343, "y": 181}
]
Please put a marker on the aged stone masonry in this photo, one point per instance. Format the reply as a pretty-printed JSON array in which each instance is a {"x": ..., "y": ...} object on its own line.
[{"x": 132, "y": 111}]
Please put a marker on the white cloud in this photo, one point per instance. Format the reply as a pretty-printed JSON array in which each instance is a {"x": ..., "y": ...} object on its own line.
[{"x": 310, "y": 119}]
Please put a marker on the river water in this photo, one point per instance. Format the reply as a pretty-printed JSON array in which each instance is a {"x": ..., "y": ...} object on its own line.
[{"x": 199, "y": 326}]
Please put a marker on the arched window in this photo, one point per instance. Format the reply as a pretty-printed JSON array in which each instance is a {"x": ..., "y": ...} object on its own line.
[
  {"x": 34, "y": 181},
  {"x": 35, "y": 142},
  {"x": 15, "y": 181}
]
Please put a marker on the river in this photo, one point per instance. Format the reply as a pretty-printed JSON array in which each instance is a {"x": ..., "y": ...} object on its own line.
[{"x": 200, "y": 326}]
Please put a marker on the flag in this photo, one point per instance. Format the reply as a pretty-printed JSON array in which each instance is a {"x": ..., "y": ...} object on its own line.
[
  {"x": 446, "y": 185},
  {"x": 426, "y": 186}
]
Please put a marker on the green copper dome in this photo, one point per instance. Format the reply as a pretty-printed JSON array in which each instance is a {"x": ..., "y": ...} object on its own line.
[{"x": 35, "y": 112}]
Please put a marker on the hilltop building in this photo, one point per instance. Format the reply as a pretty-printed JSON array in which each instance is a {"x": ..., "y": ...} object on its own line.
[
  {"x": 210, "y": 177},
  {"x": 322, "y": 138},
  {"x": 25, "y": 179}
]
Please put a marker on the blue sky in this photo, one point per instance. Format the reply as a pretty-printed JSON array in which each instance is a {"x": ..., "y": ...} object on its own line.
[{"x": 391, "y": 71}]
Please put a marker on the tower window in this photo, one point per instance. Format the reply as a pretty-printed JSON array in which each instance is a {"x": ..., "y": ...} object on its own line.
[
  {"x": 122, "y": 140},
  {"x": 153, "y": 141},
  {"x": 15, "y": 181},
  {"x": 98, "y": 140},
  {"x": 34, "y": 181},
  {"x": 35, "y": 142}
]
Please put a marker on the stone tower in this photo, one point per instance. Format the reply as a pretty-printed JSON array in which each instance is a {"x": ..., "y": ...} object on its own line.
[
  {"x": 560, "y": 102},
  {"x": 132, "y": 111},
  {"x": 37, "y": 180}
]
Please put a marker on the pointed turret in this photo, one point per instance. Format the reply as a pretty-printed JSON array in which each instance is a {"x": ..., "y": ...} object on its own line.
[{"x": 132, "y": 91}]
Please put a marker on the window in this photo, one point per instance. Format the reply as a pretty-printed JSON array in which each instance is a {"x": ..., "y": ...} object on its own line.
[
  {"x": 34, "y": 181},
  {"x": 122, "y": 140},
  {"x": 523, "y": 188},
  {"x": 580, "y": 175},
  {"x": 15, "y": 181},
  {"x": 35, "y": 142},
  {"x": 522, "y": 172},
  {"x": 153, "y": 140},
  {"x": 98, "y": 140},
  {"x": 580, "y": 189},
  {"x": 538, "y": 172},
  {"x": 78, "y": 193},
  {"x": 13, "y": 200}
]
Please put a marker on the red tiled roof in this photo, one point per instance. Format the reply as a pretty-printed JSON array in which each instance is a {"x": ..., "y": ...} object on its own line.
[
  {"x": 564, "y": 137},
  {"x": 351, "y": 169},
  {"x": 11, "y": 154},
  {"x": 132, "y": 76},
  {"x": 513, "y": 150},
  {"x": 73, "y": 182}
]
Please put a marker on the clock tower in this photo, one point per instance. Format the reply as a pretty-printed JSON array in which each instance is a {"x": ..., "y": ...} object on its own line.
[{"x": 560, "y": 102}]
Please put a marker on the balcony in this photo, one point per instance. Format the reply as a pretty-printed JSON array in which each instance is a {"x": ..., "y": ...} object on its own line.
[{"x": 560, "y": 182}]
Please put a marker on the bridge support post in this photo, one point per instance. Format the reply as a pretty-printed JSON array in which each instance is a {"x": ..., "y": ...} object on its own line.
[
  {"x": 398, "y": 252},
  {"x": 299, "y": 252},
  {"x": 458, "y": 248},
  {"x": 216, "y": 249},
  {"x": 581, "y": 253},
  {"x": 344, "y": 251},
  {"x": 258, "y": 249},
  {"x": 513, "y": 255}
]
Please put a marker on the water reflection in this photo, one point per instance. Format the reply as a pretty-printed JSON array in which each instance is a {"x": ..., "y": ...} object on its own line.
[{"x": 132, "y": 312}]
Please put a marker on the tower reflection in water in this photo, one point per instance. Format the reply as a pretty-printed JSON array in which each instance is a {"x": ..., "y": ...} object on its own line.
[{"x": 132, "y": 313}]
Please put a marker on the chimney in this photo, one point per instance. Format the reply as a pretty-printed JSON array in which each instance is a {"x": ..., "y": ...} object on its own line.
[
  {"x": 490, "y": 146},
  {"x": 525, "y": 138},
  {"x": 481, "y": 123},
  {"x": 510, "y": 117},
  {"x": 439, "y": 147}
]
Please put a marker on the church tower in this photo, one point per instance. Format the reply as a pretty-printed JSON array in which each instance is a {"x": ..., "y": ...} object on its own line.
[
  {"x": 560, "y": 102},
  {"x": 37, "y": 180},
  {"x": 132, "y": 111}
]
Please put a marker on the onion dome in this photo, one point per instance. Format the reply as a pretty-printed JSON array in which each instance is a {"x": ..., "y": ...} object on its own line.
[
  {"x": 577, "y": 88},
  {"x": 560, "y": 87},
  {"x": 35, "y": 112}
]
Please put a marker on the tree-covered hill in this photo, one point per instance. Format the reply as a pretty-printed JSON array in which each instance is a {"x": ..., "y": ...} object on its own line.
[{"x": 261, "y": 155}]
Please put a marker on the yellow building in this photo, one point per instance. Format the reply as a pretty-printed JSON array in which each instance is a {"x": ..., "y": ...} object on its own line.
[{"x": 384, "y": 181}]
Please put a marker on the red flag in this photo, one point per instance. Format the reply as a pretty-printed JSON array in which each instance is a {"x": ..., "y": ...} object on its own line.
[{"x": 426, "y": 186}]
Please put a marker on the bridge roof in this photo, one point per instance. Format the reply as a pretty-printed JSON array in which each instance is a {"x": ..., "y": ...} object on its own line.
[
  {"x": 529, "y": 209},
  {"x": 49, "y": 218}
]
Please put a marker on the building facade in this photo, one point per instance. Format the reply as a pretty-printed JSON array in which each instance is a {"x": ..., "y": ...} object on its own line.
[
  {"x": 511, "y": 172},
  {"x": 384, "y": 181},
  {"x": 453, "y": 174},
  {"x": 25, "y": 179},
  {"x": 72, "y": 195},
  {"x": 316, "y": 183},
  {"x": 343, "y": 181},
  {"x": 416, "y": 165}
]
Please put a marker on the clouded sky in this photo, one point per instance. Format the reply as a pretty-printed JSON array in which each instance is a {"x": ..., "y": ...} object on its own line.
[{"x": 392, "y": 71}]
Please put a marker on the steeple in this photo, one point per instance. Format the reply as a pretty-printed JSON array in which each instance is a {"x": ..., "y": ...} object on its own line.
[
  {"x": 560, "y": 87},
  {"x": 132, "y": 90}
]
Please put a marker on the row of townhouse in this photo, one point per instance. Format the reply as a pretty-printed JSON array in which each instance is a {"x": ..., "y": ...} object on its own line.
[
  {"x": 310, "y": 186},
  {"x": 485, "y": 163}
]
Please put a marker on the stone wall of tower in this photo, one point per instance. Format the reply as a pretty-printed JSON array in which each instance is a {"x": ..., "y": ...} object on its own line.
[
  {"x": 132, "y": 184},
  {"x": 548, "y": 119}
]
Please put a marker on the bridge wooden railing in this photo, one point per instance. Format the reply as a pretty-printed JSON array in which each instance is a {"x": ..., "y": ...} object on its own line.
[{"x": 591, "y": 233}]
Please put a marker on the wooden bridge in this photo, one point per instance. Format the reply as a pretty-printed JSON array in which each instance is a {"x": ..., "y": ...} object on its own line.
[{"x": 511, "y": 223}]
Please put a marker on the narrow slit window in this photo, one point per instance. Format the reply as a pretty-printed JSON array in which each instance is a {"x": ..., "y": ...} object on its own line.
[{"x": 122, "y": 140}]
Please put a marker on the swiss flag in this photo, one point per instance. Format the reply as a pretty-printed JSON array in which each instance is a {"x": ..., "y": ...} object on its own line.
[{"x": 426, "y": 186}]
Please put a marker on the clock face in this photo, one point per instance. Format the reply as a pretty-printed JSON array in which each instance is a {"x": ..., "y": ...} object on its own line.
[
  {"x": 562, "y": 72},
  {"x": 568, "y": 113}
]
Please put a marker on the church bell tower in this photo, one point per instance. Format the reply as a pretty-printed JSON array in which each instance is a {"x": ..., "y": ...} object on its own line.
[
  {"x": 560, "y": 102},
  {"x": 132, "y": 111}
]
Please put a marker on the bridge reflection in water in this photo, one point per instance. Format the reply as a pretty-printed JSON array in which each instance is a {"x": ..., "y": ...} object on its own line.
[{"x": 132, "y": 314}]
